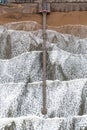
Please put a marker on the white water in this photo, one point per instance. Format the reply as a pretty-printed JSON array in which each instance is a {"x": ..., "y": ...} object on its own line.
[{"x": 21, "y": 81}]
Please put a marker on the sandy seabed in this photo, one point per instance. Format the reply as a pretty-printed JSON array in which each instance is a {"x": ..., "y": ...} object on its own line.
[{"x": 53, "y": 19}]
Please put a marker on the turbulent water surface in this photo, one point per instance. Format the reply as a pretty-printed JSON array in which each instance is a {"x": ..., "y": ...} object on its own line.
[{"x": 21, "y": 80}]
